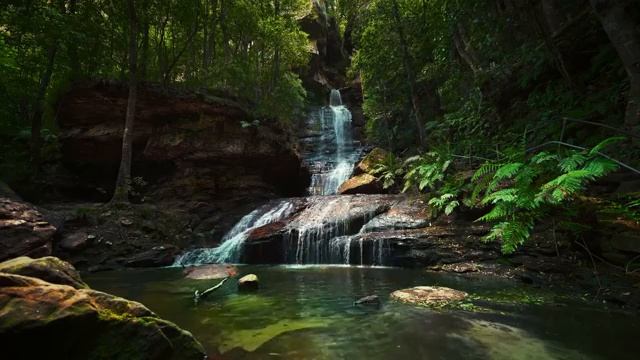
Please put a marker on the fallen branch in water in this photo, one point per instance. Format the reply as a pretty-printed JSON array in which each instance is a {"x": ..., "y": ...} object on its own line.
[{"x": 199, "y": 295}]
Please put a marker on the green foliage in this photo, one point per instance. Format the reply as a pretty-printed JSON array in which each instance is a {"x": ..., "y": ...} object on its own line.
[
  {"x": 426, "y": 170},
  {"x": 388, "y": 170},
  {"x": 521, "y": 193}
]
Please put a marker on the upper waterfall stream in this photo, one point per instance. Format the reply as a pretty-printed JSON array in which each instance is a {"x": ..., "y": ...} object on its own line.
[{"x": 319, "y": 236}]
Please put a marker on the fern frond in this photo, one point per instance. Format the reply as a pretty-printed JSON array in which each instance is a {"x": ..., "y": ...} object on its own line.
[
  {"x": 604, "y": 143},
  {"x": 486, "y": 169},
  {"x": 573, "y": 162}
]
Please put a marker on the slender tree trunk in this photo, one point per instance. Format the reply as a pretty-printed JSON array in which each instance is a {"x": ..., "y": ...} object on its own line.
[
  {"x": 38, "y": 112},
  {"x": 276, "y": 55},
  {"x": 123, "y": 182},
  {"x": 74, "y": 62},
  {"x": 465, "y": 50},
  {"x": 617, "y": 20},
  {"x": 408, "y": 68}
]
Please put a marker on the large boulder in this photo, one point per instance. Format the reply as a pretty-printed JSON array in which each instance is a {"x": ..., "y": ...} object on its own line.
[
  {"x": 39, "y": 319},
  {"x": 50, "y": 269},
  {"x": 23, "y": 230},
  {"x": 162, "y": 255},
  {"x": 361, "y": 184},
  {"x": 430, "y": 296}
]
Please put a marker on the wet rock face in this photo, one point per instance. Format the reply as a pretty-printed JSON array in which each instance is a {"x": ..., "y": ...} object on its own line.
[
  {"x": 186, "y": 145},
  {"x": 72, "y": 323},
  {"x": 23, "y": 230},
  {"x": 366, "y": 229}
]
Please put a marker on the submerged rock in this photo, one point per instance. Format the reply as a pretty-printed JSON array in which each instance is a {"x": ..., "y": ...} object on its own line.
[
  {"x": 71, "y": 323},
  {"x": 431, "y": 296},
  {"x": 368, "y": 300},
  {"x": 210, "y": 272},
  {"x": 50, "y": 269},
  {"x": 248, "y": 283}
]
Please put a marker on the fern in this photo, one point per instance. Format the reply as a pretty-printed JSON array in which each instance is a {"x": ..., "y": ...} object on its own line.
[{"x": 536, "y": 186}]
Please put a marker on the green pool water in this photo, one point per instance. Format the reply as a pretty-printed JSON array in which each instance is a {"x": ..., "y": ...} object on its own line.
[{"x": 308, "y": 313}]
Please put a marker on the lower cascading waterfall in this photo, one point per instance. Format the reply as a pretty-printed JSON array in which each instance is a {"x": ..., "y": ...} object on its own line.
[{"x": 230, "y": 249}]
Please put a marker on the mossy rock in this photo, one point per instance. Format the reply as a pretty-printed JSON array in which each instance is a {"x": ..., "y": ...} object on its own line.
[
  {"x": 374, "y": 157},
  {"x": 70, "y": 323},
  {"x": 429, "y": 296},
  {"x": 50, "y": 269}
]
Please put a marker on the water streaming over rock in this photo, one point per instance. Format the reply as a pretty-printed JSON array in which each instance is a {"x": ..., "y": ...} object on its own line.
[
  {"x": 333, "y": 151},
  {"x": 230, "y": 247},
  {"x": 321, "y": 231}
]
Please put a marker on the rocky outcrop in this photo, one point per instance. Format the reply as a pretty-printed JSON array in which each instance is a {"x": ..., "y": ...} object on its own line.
[
  {"x": 187, "y": 145},
  {"x": 430, "y": 296},
  {"x": 363, "y": 180},
  {"x": 72, "y": 323},
  {"x": 361, "y": 184},
  {"x": 50, "y": 269},
  {"x": 23, "y": 229},
  {"x": 328, "y": 61}
]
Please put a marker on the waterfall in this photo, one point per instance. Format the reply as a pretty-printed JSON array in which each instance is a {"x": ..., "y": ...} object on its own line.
[
  {"x": 326, "y": 231},
  {"x": 335, "y": 151},
  {"x": 230, "y": 248}
]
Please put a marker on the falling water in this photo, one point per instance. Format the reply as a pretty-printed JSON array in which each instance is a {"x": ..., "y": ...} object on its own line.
[
  {"x": 230, "y": 248},
  {"x": 334, "y": 151},
  {"x": 326, "y": 230}
]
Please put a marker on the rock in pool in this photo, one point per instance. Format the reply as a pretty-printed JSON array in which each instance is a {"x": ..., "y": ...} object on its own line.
[
  {"x": 371, "y": 300},
  {"x": 209, "y": 272},
  {"x": 248, "y": 283},
  {"x": 430, "y": 296}
]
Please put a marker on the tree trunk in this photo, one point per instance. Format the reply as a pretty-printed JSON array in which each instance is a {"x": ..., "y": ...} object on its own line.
[
  {"x": 38, "y": 112},
  {"x": 408, "y": 68},
  {"x": 123, "y": 182},
  {"x": 276, "y": 55},
  {"x": 74, "y": 62},
  {"x": 465, "y": 50},
  {"x": 617, "y": 20}
]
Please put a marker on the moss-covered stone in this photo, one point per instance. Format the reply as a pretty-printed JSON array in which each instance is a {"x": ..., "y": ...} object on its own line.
[
  {"x": 70, "y": 323},
  {"x": 50, "y": 269}
]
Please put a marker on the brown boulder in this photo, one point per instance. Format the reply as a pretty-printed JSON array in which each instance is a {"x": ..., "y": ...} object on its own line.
[
  {"x": 23, "y": 230},
  {"x": 361, "y": 184},
  {"x": 71, "y": 323},
  {"x": 50, "y": 269},
  {"x": 162, "y": 255},
  {"x": 75, "y": 241}
]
